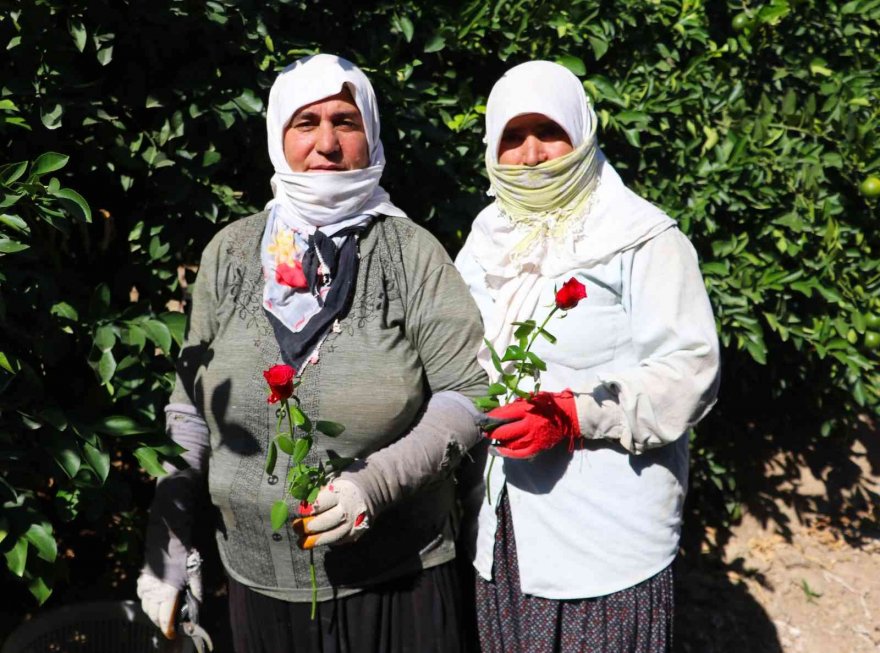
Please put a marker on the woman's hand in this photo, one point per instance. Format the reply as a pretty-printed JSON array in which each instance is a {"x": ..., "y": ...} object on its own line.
[
  {"x": 338, "y": 515},
  {"x": 535, "y": 424},
  {"x": 159, "y": 601}
]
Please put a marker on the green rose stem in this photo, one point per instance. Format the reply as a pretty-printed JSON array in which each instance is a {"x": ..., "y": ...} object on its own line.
[
  {"x": 304, "y": 482},
  {"x": 513, "y": 391},
  {"x": 314, "y": 582},
  {"x": 312, "y": 574}
]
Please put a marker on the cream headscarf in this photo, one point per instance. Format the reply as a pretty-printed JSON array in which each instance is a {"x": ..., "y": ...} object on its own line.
[
  {"x": 548, "y": 220},
  {"x": 304, "y": 202}
]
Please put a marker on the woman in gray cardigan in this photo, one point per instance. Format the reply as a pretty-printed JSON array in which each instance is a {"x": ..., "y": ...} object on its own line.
[{"x": 335, "y": 281}]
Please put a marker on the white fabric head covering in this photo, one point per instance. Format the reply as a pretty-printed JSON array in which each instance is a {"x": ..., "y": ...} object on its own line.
[
  {"x": 306, "y": 201},
  {"x": 614, "y": 220},
  {"x": 314, "y": 200},
  {"x": 538, "y": 87}
]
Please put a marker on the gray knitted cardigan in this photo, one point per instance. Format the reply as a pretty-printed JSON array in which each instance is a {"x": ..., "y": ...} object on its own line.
[{"x": 412, "y": 333}]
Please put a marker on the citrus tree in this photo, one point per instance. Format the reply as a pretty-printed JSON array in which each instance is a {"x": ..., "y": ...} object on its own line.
[{"x": 751, "y": 123}]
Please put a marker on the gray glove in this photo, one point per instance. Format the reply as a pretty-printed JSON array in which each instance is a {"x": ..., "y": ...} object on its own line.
[
  {"x": 431, "y": 450},
  {"x": 168, "y": 538}
]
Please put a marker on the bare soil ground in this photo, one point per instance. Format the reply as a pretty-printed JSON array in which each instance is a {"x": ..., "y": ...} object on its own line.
[{"x": 806, "y": 581}]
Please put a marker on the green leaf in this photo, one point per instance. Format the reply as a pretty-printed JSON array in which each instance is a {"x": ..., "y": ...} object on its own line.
[
  {"x": 313, "y": 494},
  {"x": 210, "y": 157},
  {"x": 513, "y": 353},
  {"x": 435, "y": 44},
  {"x": 7, "y": 365},
  {"x": 53, "y": 416},
  {"x": 105, "y": 338},
  {"x": 818, "y": 66},
  {"x": 8, "y": 246},
  {"x": 285, "y": 444},
  {"x": 74, "y": 203},
  {"x": 98, "y": 460},
  {"x": 773, "y": 12},
  {"x": 249, "y": 101},
  {"x": 40, "y": 588},
  {"x": 301, "y": 450},
  {"x": 549, "y": 337},
  {"x": 524, "y": 329},
  {"x": 536, "y": 361},
  {"x": 100, "y": 301},
  {"x": 78, "y": 32},
  {"x": 149, "y": 460},
  {"x": 16, "y": 557},
  {"x": 14, "y": 222},
  {"x": 105, "y": 55},
  {"x": 157, "y": 249},
  {"x": 496, "y": 389},
  {"x": 404, "y": 26},
  {"x": 12, "y": 172},
  {"x": 301, "y": 488},
  {"x": 121, "y": 426},
  {"x": 49, "y": 162},
  {"x": 486, "y": 403},
  {"x": 600, "y": 47},
  {"x": 280, "y": 513},
  {"x": 574, "y": 64},
  {"x": 496, "y": 361},
  {"x": 51, "y": 118},
  {"x": 40, "y": 536},
  {"x": 134, "y": 336},
  {"x": 106, "y": 367},
  {"x": 159, "y": 333},
  {"x": 300, "y": 418},
  {"x": 271, "y": 457},
  {"x": 330, "y": 429},
  {"x": 65, "y": 452},
  {"x": 64, "y": 310},
  {"x": 67, "y": 504},
  {"x": 176, "y": 323},
  {"x": 757, "y": 351},
  {"x": 10, "y": 199}
]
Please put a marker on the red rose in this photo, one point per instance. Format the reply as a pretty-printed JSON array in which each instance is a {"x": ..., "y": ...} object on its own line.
[
  {"x": 280, "y": 380},
  {"x": 291, "y": 275},
  {"x": 570, "y": 294}
]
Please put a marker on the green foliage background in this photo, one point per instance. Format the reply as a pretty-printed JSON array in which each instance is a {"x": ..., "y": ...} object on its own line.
[{"x": 750, "y": 123}]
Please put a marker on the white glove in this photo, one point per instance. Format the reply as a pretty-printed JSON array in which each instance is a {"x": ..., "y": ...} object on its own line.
[
  {"x": 337, "y": 516},
  {"x": 159, "y": 601}
]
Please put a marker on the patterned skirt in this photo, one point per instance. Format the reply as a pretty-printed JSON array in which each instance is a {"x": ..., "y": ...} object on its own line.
[{"x": 634, "y": 620}]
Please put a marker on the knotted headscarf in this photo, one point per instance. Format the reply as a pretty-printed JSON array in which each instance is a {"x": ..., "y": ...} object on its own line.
[{"x": 309, "y": 247}]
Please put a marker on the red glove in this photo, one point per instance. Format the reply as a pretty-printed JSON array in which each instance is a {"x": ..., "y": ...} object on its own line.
[{"x": 540, "y": 422}]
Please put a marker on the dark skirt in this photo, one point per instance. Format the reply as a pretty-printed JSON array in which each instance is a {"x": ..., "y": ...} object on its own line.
[
  {"x": 634, "y": 620},
  {"x": 416, "y": 614}
]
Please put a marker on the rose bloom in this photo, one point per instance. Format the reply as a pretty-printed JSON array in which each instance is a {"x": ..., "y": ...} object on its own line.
[
  {"x": 572, "y": 292},
  {"x": 280, "y": 380}
]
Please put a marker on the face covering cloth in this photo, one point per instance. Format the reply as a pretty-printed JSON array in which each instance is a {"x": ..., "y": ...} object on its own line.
[{"x": 309, "y": 246}]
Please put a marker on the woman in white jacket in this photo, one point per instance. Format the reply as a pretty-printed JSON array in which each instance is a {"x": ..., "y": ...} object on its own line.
[{"x": 574, "y": 550}]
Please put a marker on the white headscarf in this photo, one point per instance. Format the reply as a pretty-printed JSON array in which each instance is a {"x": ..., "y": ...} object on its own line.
[
  {"x": 304, "y": 201},
  {"x": 312, "y": 200},
  {"x": 615, "y": 219}
]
